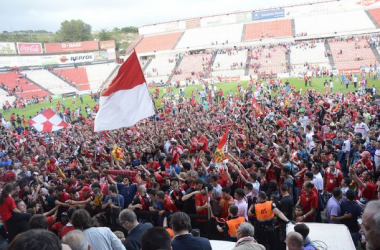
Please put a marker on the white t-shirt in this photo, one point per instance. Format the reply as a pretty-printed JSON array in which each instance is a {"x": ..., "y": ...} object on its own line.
[
  {"x": 377, "y": 158},
  {"x": 361, "y": 128},
  {"x": 318, "y": 181}
]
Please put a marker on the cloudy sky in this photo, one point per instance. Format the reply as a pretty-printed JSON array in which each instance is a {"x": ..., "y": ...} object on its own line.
[{"x": 47, "y": 15}]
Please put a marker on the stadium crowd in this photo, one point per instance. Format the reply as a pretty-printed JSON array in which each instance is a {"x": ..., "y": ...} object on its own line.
[{"x": 292, "y": 159}]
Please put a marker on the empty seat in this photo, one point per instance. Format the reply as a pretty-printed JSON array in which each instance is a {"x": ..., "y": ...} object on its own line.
[
  {"x": 77, "y": 76},
  {"x": 158, "y": 42},
  {"x": 268, "y": 29}
]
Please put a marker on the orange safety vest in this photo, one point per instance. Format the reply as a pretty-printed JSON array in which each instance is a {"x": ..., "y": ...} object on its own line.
[
  {"x": 264, "y": 211},
  {"x": 233, "y": 225}
]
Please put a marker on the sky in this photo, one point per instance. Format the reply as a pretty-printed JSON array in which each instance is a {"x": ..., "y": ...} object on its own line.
[{"x": 100, "y": 14}]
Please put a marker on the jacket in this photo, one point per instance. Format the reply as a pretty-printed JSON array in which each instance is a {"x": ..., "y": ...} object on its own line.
[
  {"x": 132, "y": 241},
  {"x": 248, "y": 244},
  {"x": 189, "y": 242}
]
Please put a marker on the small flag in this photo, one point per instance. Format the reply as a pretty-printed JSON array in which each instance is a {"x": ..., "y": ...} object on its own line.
[
  {"x": 47, "y": 121},
  {"x": 221, "y": 152}
]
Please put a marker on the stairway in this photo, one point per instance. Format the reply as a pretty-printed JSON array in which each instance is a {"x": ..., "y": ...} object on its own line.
[
  {"x": 376, "y": 53},
  {"x": 287, "y": 57},
  {"x": 110, "y": 77},
  {"x": 248, "y": 62},
  {"x": 146, "y": 65},
  {"x": 63, "y": 79},
  {"x": 179, "y": 39},
  {"x": 293, "y": 28},
  {"x": 243, "y": 34},
  {"x": 30, "y": 80},
  {"x": 175, "y": 68},
  {"x": 331, "y": 58},
  {"x": 372, "y": 19}
]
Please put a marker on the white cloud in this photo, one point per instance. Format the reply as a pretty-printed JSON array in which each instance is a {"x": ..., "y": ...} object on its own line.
[{"x": 48, "y": 15}]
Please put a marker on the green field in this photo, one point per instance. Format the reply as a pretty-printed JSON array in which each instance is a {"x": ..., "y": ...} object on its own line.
[{"x": 226, "y": 87}]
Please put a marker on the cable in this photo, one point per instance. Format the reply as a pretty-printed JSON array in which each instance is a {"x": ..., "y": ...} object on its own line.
[{"x": 319, "y": 246}]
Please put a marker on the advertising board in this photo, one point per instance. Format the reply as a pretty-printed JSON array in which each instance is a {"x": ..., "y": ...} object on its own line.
[
  {"x": 267, "y": 14},
  {"x": 70, "y": 47},
  {"x": 107, "y": 44},
  {"x": 7, "y": 49},
  {"x": 29, "y": 48}
]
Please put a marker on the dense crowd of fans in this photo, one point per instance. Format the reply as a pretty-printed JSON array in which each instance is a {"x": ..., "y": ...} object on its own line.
[{"x": 292, "y": 158}]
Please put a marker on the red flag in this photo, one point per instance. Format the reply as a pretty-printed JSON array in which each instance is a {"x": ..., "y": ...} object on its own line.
[
  {"x": 256, "y": 108},
  {"x": 47, "y": 121},
  {"x": 127, "y": 99}
]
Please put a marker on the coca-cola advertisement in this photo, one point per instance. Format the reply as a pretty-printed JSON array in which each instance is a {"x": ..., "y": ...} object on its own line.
[
  {"x": 71, "y": 47},
  {"x": 29, "y": 48},
  {"x": 107, "y": 44}
]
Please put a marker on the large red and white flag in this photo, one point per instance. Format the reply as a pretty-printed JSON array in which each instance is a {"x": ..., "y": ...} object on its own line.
[
  {"x": 47, "y": 121},
  {"x": 221, "y": 152},
  {"x": 127, "y": 99}
]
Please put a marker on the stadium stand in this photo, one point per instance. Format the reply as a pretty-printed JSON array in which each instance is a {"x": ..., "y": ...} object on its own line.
[
  {"x": 270, "y": 59},
  {"x": 4, "y": 97},
  {"x": 77, "y": 76},
  {"x": 23, "y": 88},
  {"x": 50, "y": 81},
  {"x": 375, "y": 13},
  {"x": 269, "y": 29},
  {"x": 207, "y": 36},
  {"x": 352, "y": 54},
  {"x": 158, "y": 42},
  {"x": 228, "y": 60},
  {"x": 133, "y": 45},
  {"x": 192, "y": 66},
  {"x": 333, "y": 23},
  {"x": 304, "y": 55},
  {"x": 97, "y": 74},
  {"x": 159, "y": 69}
]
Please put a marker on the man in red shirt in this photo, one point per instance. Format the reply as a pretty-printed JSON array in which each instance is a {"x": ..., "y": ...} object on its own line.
[
  {"x": 169, "y": 205},
  {"x": 332, "y": 178},
  {"x": 366, "y": 186},
  {"x": 202, "y": 140},
  {"x": 309, "y": 202}
]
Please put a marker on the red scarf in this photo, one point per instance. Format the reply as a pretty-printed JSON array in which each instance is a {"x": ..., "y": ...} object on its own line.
[{"x": 142, "y": 201}]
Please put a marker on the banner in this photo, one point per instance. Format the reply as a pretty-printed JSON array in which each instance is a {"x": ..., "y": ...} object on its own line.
[
  {"x": 49, "y": 60},
  {"x": 100, "y": 55},
  {"x": 111, "y": 54},
  {"x": 76, "y": 58},
  {"x": 29, "y": 48},
  {"x": 7, "y": 48},
  {"x": 268, "y": 14},
  {"x": 367, "y": 2},
  {"x": 70, "y": 47},
  {"x": 349, "y": 71},
  {"x": 107, "y": 44}
]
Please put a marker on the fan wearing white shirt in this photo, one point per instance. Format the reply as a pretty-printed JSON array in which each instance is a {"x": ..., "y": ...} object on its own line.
[
  {"x": 361, "y": 126},
  {"x": 377, "y": 156},
  {"x": 318, "y": 179}
]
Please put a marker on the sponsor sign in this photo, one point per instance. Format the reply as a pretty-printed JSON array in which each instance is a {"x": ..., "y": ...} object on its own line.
[
  {"x": 107, "y": 44},
  {"x": 111, "y": 55},
  {"x": 367, "y": 2},
  {"x": 29, "y": 48},
  {"x": 49, "y": 60},
  {"x": 100, "y": 55},
  {"x": 70, "y": 47},
  {"x": 75, "y": 58},
  {"x": 267, "y": 14},
  {"x": 193, "y": 23},
  {"x": 7, "y": 48}
]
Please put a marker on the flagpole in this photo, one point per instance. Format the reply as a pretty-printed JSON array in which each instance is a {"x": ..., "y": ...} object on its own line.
[{"x": 154, "y": 104}]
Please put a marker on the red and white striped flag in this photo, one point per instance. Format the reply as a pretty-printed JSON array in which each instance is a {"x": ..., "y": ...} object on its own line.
[
  {"x": 127, "y": 99},
  {"x": 47, "y": 121}
]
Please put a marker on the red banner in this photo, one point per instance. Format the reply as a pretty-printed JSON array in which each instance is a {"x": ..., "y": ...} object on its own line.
[
  {"x": 71, "y": 47},
  {"x": 29, "y": 48},
  {"x": 107, "y": 44}
]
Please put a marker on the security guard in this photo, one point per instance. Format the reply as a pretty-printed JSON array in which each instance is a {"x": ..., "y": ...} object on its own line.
[
  {"x": 232, "y": 225},
  {"x": 264, "y": 229}
]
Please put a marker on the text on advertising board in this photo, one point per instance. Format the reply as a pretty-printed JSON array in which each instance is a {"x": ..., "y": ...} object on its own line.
[
  {"x": 268, "y": 14},
  {"x": 71, "y": 47},
  {"x": 29, "y": 48}
]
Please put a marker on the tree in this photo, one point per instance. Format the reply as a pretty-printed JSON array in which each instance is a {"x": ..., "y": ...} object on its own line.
[
  {"x": 74, "y": 31},
  {"x": 104, "y": 35}
]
